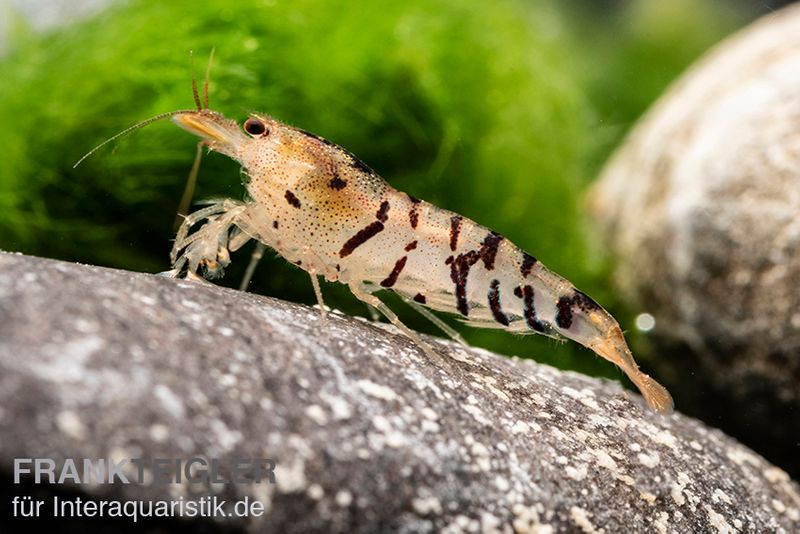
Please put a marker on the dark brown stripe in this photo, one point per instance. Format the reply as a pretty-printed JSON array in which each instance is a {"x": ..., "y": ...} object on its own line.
[
  {"x": 455, "y": 229},
  {"x": 398, "y": 268},
  {"x": 336, "y": 182},
  {"x": 359, "y": 165},
  {"x": 291, "y": 199},
  {"x": 459, "y": 271},
  {"x": 585, "y": 302},
  {"x": 488, "y": 250},
  {"x": 419, "y": 297},
  {"x": 564, "y": 312},
  {"x": 360, "y": 238},
  {"x": 383, "y": 211},
  {"x": 530, "y": 311},
  {"x": 528, "y": 262},
  {"x": 494, "y": 303},
  {"x": 411, "y": 246},
  {"x": 518, "y": 292},
  {"x": 566, "y": 306},
  {"x": 413, "y": 214},
  {"x": 413, "y": 217},
  {"x": 315, "y": 136}
]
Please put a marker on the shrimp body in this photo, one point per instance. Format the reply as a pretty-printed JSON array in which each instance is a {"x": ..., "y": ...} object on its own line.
[{"x": 327, "y": 212}]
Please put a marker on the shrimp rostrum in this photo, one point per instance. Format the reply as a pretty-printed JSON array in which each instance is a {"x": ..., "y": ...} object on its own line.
[{"x": 324, "y": 210}]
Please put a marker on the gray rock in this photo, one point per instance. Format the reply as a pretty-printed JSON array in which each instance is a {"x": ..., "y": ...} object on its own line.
[
  {"x": 368, "y": 434},
  {"x": 701, "y": 208}
]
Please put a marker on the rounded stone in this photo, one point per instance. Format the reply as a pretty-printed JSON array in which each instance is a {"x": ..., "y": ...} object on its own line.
[
  {"x": 366, "y": 432},
  {"x": 701, "y": 209}
]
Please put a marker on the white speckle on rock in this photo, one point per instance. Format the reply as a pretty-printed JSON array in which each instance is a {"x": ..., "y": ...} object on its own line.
[
  {"x": 387, "y": 434},
  {"x": 191, "y": 304},
  {"x": 291, "y": 477},
  {"x": 481, "y": 456},
  {"x": 739, "y": 456},
  {"x": 502, "y": 483},
  {"x": 558, "y": 434},
  {"x": 676, "y": 491},
  {"x": 520, "y": 427},
  {"x": 430, "y": 426},
  {"x": 721, "y": 496},
  {"x": 649, "y": 460},
  {"x": 376, "y": 390},
  {"x": 490, "y": 524},
  {"x": 576, "y": 473},
  {"x": 225, "y": 331},
  {"x": 779, "y": 506},
  {"x": 581, "y": 519},
  {"x": 661, "y": 523},
  {"x": 227, "y": 380},
  {"x": 489, "y": 383},
  {"x": 776, "y": 475},
  {"x": 695, "y": 445},
  {"x": 477, "y": 413},
  {"x": 159, "y": 432},
  {"x": 343, "y": 498},
  {"x": 316, "y": 414},
  {"x": 70, "y": 424},
  {"x": 427, "y": 505},
  {"x": 604, "y": 459},
  {"x": 225, "y": 437},
  {"x": 590, "y": 402},
  {"x": 340, "y": 408},
  {"x": 648, "y": 497},
  {"x": 315, "y": 492},
  {"x": 429, "y": 414},
  {"x": 171, "y": 402},
  {"x": 665, "y": 437},
  {"x": 84, "y": 326},
  {"x": 527, "y": 520},
  {"x": 717, "y": 521}
]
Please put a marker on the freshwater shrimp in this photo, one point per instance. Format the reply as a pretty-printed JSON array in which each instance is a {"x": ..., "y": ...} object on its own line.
[{"x": 324, "y": 210}]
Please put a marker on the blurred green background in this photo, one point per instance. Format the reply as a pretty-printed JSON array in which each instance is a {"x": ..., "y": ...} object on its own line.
[{"x": 503, "y": 111}]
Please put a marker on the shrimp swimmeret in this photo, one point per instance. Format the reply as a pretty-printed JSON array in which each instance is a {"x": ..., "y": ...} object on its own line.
[{"x": 324, "y": 210}]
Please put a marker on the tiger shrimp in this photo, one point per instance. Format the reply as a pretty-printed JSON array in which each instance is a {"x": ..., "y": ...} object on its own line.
[{"x": 324, "y": 210}]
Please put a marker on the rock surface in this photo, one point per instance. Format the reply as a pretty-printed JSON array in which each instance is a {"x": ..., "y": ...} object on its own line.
[
  {"x": 701, "y": 207},
  {"x": 368, "y": 434}
]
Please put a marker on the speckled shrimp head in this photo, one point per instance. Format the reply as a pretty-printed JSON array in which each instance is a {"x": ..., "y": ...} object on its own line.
[{"x": 327, "y": 212}]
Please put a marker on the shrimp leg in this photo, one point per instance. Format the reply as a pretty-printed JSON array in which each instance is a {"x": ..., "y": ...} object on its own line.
[
  {"x": 444, "y": 327},
  {"x": 360, "y": 292},
  {"x": 258, "y": 253},
  {"x": 318, "y": 292}
]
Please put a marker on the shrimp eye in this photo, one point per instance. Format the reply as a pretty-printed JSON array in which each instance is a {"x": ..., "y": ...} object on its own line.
[{"x": 255, "y": 127}]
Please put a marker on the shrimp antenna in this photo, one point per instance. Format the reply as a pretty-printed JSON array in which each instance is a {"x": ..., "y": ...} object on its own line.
[
  {"x": 205, "y": 80},
  {"x": 132, "y": 128},
  {"x": 194, "y": 83}
]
